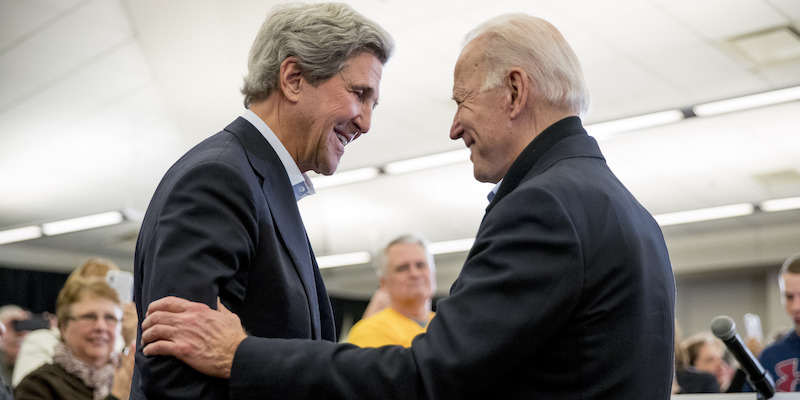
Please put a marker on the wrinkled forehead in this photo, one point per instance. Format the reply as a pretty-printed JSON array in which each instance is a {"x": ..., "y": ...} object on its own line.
[{"x": 471, "y": 58}]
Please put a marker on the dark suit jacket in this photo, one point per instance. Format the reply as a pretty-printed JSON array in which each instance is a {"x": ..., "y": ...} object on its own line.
[
  {"x": 224, "y": 222},
  {"x": 567, "y": 293}
]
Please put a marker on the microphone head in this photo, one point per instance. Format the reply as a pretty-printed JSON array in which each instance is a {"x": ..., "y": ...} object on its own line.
[{"x": 723, "y": 327}]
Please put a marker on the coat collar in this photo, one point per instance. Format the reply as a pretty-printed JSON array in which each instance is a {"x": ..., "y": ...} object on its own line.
[{"x": 534, "y": 152}]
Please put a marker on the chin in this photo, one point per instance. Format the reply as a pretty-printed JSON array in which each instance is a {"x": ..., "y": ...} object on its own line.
[{"x": 328, "y": 169}]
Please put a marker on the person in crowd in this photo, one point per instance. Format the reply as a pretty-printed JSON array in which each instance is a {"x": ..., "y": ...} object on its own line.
[
  {"x": 224, "y": 222},
  {"x": 5, "y": 389},
  {"x": 11, "y": 340},
  {"x": 85, "y": 365},
  {"x": 782, "y": 358},
  {"x": 707, "y": 353},
  {"x": 689, "y": 379},
  {"x": 567, "y": 291},
  {"x": 38, "y": 347},
  {"x": 407, "y": 273}
]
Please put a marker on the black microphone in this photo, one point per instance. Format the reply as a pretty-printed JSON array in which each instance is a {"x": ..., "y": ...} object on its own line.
[{"x": 725, "y": 329}]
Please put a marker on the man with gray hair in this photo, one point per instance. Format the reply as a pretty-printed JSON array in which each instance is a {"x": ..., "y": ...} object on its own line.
[
  {"x": 567, "y": 292},
  {"x": 223, "y": 224},
  {"x": 782, "y": 358},
  {"x": 408, "y": 275}
]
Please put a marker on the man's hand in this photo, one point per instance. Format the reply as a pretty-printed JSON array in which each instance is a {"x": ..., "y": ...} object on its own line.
[{"x": 192, "y": 332}]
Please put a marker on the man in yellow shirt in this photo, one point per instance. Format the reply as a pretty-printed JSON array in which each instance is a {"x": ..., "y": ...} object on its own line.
[{"x": 407, "y": 274}]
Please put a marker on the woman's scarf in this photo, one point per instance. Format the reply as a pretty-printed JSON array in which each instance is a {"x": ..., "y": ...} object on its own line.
[{"x": 99, "y": 379}]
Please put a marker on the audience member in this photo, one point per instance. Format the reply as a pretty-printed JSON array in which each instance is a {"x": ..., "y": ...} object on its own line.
[
  {"x": 11, "y": 340},
  {"x": 84, "y": 364},
  {"x": 5, "y": 389},
  {"x": 408, "y": 275},
  {"x": 224, "y": 222},
  {"x": 782, "y": 358},
  {"x": 39, "y": 346},
  {"x": 566, "y": 293},
  {"x": 707, "y": 353},
  {"x": 688, "y": 378}
]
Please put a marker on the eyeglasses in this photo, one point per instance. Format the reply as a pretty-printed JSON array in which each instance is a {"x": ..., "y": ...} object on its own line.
[{"x": 92, "y": 318}]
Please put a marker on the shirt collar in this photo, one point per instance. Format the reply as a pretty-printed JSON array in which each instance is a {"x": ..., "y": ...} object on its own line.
[
  {"x": 300, "y": 182},
  {"x": 491, "y": 194}
]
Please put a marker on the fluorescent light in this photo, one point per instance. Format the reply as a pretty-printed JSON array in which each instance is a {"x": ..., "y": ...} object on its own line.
[
  {"x": 364, "y": 257},
  {"x": 345, "y": 177},
  {"x": 20, "y": 234},
  {"x": 747, "y": 102},
  {"x": 605, "y": 129},
  {"x": 82, "y": 223},
  {"x": 431, "y": 161},
  {"x": 451, "y": 246},
  {"x": 341, "y": 260},
  {"x": 704, "y": 214},
  {"x": 789, "y": 203}
]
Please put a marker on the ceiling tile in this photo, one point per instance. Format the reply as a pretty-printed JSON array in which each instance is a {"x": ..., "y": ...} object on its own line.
[
  {"x": 17, "y": 20},
  {"x": 721, "y": 19}
]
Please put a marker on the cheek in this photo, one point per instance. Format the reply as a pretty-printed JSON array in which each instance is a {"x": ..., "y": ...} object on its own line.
[{"x": 71, "y": 336}]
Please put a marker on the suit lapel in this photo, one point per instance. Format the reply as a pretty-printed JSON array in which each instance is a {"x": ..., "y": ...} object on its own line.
[{"x": 283, "y": 206}]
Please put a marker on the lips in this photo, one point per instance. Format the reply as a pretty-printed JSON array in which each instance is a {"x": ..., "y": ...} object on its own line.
[{"x": 98, "y": 340}]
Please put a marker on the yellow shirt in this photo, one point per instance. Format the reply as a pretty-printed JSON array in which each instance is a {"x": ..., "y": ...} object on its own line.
[{"x": 384, "y": 328}]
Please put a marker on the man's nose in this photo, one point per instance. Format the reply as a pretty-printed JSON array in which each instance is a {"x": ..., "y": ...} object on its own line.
[
  {"x": 456, "y": 131},
  {"x": 362, "y": 122}
]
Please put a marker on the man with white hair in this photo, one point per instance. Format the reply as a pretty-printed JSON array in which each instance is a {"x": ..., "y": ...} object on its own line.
[{"x": 408, "y": 275}]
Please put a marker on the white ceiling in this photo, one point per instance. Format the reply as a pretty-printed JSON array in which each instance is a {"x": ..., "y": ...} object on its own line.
[{"x": 99, "y": 97}]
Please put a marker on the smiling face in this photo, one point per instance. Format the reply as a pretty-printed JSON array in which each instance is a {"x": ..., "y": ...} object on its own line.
[
  {"x": 92, "y": 341},
  {"x": 336, "y": 112},
  {"x": 482, "y": 118}
]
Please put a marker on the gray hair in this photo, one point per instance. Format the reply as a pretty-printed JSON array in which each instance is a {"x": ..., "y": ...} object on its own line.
[
  {"x": 382, "y": 259},
  {"x": 322, "y": 36},
  {"x": 536, "y": 46}
]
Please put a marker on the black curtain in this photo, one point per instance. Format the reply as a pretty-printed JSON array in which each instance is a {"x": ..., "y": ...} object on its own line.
[{"x": 35, "y": 291}]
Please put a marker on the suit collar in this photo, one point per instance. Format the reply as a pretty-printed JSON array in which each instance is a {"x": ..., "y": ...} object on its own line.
[
  {"x": 534, "y": 152},
  {"x": 260, "y": 154}
]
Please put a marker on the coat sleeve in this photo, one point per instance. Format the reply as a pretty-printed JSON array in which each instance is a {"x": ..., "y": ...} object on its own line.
[
  {"x": 518, "y": 286},
  {"x": 198, "y": 248}
]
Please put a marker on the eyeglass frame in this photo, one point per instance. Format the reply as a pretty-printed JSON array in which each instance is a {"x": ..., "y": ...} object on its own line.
[{"x": 93, "y": 318}]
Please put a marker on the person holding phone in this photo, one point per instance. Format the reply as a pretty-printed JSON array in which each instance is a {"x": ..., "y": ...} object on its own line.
[
  {"x": 5, "y": 390},
  {"x": 38, "y": 347},
  {"x": 85, "y": 364},
  {"x": 11, "y": 339}
]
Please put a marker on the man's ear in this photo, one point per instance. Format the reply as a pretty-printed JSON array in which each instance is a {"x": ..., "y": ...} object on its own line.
[
  {"x": 382, "y": 282},
  {"x": 290, "y": 80},
  {"x": 519, "y": 87}
]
